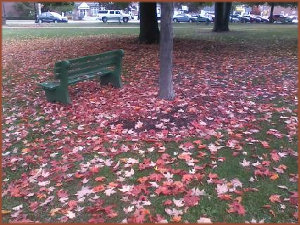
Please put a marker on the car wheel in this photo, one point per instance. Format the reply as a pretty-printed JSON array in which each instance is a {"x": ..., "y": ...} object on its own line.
[
  {"x": 55, "y": 21},
  {"x": 125, "y": 20},
  {"x": 175, "y": 20},
  {"x": 104, "y": 19},
  {"x": 190, "y": 20}
]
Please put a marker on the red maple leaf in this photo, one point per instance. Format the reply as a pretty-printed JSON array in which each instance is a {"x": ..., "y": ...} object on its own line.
[
  {"x": 236, "y": 207},
  {"x": 190, "y": 200}
]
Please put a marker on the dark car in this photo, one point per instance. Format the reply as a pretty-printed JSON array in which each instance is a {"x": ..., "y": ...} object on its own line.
[
  {"x": 202, "y": 19},
  {"x": 247, "y": 19},
  {"x": 281, "y": 19},
  {"x": 234, "y": 18},
  {"x": 48, "y": 17}
]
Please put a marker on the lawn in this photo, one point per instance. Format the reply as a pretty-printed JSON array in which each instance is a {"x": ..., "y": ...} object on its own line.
[{"x": 225, "y": 150}]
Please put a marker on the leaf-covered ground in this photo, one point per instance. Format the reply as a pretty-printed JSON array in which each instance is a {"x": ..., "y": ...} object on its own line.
[{"x": 225, "y": 150}]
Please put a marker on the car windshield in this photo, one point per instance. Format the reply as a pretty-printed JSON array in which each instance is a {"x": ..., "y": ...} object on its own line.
[{"x": 55, "y": 14}]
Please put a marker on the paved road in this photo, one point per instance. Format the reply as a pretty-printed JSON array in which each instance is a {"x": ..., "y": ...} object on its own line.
[
  {"x": 14, "y": 22},
  {"x": 38, "y": 27}
]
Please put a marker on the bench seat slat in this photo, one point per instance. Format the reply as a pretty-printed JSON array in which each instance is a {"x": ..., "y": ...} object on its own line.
[
  {"x": 87, "y": 76},
  {"x": 88, "y": 67},
  {"x": 91, "y": 68}
]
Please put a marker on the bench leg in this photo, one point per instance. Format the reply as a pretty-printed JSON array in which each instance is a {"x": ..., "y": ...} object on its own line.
[
  {"x": 112, "y": 78},
  {"x": 58, "y": 95}
]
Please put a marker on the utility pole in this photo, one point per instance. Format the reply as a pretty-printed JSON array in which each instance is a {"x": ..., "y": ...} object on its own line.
[
  {"x": 35, "y": 14},
  {"x": 3, "y": 15},
  {"x": 39, "y": 8}
]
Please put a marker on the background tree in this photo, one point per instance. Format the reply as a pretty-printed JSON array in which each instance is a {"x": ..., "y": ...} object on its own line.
[
  {"x": 193, "y": 6},
  {"x": 25, "y": 9},
  {"x": 57, "y": 6},
  {"x": 115, "y": 5},
  {"x": 222, "y": 13},
  {"x": 149, "y": 32},
  {"x": 3, "y": 14},
  {"x": 166, "y": 90}
]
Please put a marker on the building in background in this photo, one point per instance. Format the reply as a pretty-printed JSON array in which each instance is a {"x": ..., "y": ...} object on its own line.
[{"x": 85, "y": 9}]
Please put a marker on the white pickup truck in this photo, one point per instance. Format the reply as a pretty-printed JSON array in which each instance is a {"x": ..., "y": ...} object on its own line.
[{"x": 116, "y": 15}]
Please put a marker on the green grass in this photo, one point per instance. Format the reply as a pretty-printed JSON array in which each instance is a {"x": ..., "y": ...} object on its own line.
[{"x": 239, "y": 32}]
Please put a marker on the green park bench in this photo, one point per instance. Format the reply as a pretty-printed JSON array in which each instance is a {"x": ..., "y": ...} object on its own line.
[{"x": 106, "y": 66}]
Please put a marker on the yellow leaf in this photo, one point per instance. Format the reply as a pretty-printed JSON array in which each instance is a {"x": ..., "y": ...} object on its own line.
[
  {"x": 3, "y": 211},
  {"x": 274, "y": 176},
  {"x": 53, "y": 211},
  {"x": 26, "y": 150},
  {"x": 176, "y": 218},
  {"x": 124, "y": 160},
  {"x": 238, "y": 199}
]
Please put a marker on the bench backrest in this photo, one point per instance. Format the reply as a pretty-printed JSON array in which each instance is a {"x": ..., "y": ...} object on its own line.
[{"x": 75, "y": 67}]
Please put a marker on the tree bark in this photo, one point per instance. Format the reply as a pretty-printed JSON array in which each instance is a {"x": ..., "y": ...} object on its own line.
[
  {"x": 149, "y": 32},
  {"x": 271, "y": 12},
  {"x": 222, "y": 13},
  {"x": 166, "y": 90}
]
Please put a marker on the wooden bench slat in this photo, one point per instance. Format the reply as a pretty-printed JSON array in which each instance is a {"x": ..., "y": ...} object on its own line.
[
  {"x": 103, "y": 55},
  {"x": 85, "y": 76},
  {"x": 90, "y": 66}
]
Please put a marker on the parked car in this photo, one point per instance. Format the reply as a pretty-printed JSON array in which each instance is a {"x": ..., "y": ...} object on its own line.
[
  {"x": 183, "y": 18},
  {"x": 211, "y": 16},
  {"x": 203, "y": 19},
  {"x": 48, "y": 17},
  {"x": 294, "y": 19},
  {"x": 247, "y": 19},
  {"x": 260, "y": 19},
  {"x": 234, "y": 19},
  {"x": 281, "y": 19},
  {"x": 105, "y": 15}
]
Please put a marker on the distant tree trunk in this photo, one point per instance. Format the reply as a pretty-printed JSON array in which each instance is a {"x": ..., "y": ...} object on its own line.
[
  {"x": 227, "y": 15},
  {"x": 3, "y": 15},
  {"x": 271, "y": 12},
  {"x": 149, "y": 32},
  {"x": 166, "y": 90},
  {"x": 218, "y": 16},
  {"x": 222, "y": 13}
]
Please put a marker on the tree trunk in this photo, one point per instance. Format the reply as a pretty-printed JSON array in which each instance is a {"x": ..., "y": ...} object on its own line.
[
  {"x": 271, "y": 12},
  {"x": 166, "y": 90},
  {"x": 227, "y": 9},
  {"x": 149, "y": 32},
  {"x": 222, "y": 13},
  {"x": 219, "y": 8},
  {"x": 3, "y": 15}
]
